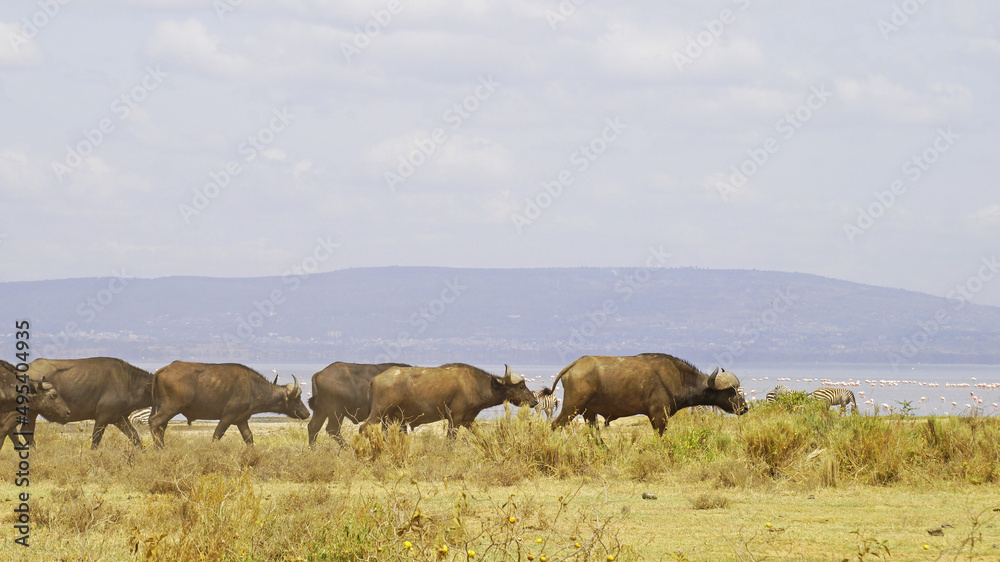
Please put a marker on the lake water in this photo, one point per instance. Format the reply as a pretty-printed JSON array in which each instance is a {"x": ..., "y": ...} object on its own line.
[{"x": 929, "y": 389}]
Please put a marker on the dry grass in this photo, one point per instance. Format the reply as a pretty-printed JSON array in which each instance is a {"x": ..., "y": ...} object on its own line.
[{"x": 829, "y": 486}]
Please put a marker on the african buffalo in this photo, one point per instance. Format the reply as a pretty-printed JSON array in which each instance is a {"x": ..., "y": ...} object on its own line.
[
  {"x": 42, "y": 398},
  {"x": 227, "y": 392},
  {"x": 654, "y": 384},
  {"x": 341, "y": 390},
  {"x": 455, "y": 392},
  {"x": 103, "y": 389}
]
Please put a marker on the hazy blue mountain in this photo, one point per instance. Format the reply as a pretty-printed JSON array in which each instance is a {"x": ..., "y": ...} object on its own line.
[{"x": 544, "y": 316}]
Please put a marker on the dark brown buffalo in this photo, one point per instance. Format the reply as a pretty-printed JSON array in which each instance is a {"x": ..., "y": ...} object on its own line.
[
  {"x": 103, "y": 389},
  {"x": 227, "y": 392},
  {"x": 341, "y": 391},
  {"x": 455, "y": 392},
  {"x": 652, "y": 384},
  {"x": 42, "y": 398}
]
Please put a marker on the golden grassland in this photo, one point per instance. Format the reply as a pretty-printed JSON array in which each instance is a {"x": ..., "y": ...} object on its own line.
[{"x": 789, "y": 481}]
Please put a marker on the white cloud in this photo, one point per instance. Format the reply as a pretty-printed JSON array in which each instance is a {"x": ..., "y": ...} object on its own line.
[
  {"x": 275, "y": 154},
  {"x": 189, "y": 43},
  {"x": 880, "y": 98},
  {"x": 629, "y": 51},
  {"x": 16, "y": 49},
  {"x": 986, "y": 45},
  {"x": 987, "y": 216}
]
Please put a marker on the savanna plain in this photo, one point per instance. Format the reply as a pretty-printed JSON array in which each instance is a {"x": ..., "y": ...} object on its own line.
[{"x": 789, "y": 480}]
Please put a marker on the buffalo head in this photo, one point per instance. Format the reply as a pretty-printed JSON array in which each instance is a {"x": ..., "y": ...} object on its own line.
[
  {"x": 293, "y": 406},
  {"x": 726, "y": 391},
  {"x": 515, "y": 390},
  {"x": 49, "y": 403}
]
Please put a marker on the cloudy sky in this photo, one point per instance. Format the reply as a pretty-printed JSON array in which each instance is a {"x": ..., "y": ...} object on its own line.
[{"x": 853, "y": 139}]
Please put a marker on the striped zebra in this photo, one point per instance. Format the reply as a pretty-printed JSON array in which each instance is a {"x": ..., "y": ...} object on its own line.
[
  {"x": 835, "y": 397},
  {"x": 772, "y": 395},
  {"x": 140, "y": 418},
  {"x": 547, "y": 402}
]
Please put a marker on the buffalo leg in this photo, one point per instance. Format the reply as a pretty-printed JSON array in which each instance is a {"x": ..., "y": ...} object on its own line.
[
  {"x": 659, "y": 421},
  {"x": 95, "y": 438},
  {"x": 244, "y": 427},
  {"x": 452, "y": 428},
  {"x": 316, "y": 424},
  {"x": 568, "y": 412},
  {"x": 126, "y": 427},
  {"x": 373, "y": 418},
  {"x": 221, "y": 429},
  {"x": 158, "y": 425},
  {"x": 333, "y": 428},
  {"x": 593, "y": 427},
  {"x": 8, "y": 423},
  {"x": 29, "y": 429}
]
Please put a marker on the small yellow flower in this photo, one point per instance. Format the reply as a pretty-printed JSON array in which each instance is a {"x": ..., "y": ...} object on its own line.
[
  {"x": 472, "y": 553},
  {"x": 576, "y": 544},
  {"x": 768, "y": 525},
  {"x": 543, "y": 559},
  {"x": 610, "y": 558},
  {"x": 512, "y": 519},
  {"x": 379, "y": 549},
  {"x": 926, "y": 547},
  {"x": 407, "y": 544},
  {"x": 572, "y": 537},
  {"x": 539, "y": 540},
  {"x": 531, "y": 557},
  {"x": 444, "y": 548}
]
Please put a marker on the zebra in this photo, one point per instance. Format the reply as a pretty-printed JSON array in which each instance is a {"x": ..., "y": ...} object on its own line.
[
  {"x": 547, "y": 402},
  {"x": 772, "y": 395},
  {"x": 835, "y": 397},
  {"x": 140, "y": 417}
]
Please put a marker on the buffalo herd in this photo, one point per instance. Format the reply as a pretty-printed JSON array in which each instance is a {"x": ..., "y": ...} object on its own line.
[{"x": 108, "y": 390}]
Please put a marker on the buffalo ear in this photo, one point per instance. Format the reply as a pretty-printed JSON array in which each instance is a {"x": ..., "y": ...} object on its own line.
[{"x": 45, "y": 385}]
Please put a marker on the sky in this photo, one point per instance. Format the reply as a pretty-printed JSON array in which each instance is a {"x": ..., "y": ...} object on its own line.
[{"x": 854, "y": 139}]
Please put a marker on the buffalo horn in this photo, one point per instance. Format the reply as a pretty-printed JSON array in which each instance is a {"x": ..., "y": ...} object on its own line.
[
  {"x": 275, "y": 378},
  {"x": 724, "y": 380},
  {"x": 510, "y": 377},
  {"x": 293, "y": 388}
]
